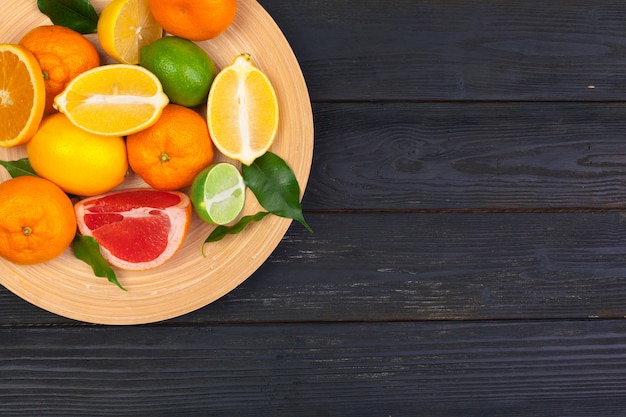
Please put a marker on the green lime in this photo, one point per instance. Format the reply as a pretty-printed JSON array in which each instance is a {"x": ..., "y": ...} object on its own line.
[
  {"x": 218, "y": 193},
  {"x": 184, "y": 68}
]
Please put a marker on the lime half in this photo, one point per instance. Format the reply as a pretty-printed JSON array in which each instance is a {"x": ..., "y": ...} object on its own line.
[{"x": 218, "y": 193}]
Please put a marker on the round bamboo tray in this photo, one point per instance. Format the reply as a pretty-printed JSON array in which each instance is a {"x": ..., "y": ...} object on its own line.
[{"x": 189, "y": 281}]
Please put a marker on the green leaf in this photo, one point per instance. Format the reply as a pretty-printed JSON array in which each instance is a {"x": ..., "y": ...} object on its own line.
[
  {"x": 19, "y": 168},
  {"x": 78, "y": 15},
  {"x": 87, "y": 249},
  {"x": 221, "y": 231},
  {"x": 275, "y": 186}
]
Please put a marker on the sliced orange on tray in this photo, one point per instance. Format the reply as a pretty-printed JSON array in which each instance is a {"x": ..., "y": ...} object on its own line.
[
  {"x": 114, "y": 100},
  {"x": 242, "y": 111},
  {"x": 22, "y": 95}
]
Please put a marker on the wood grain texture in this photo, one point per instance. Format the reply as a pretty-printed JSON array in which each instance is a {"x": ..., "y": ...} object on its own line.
[
  {"x": 405, "y": 156},
  {"x": 458, "y": 50},
  {"x": 189, "y": 280},
  {"x": 468, "y": 202},
  {"x": 422, "y": 266},
  {"x": 351, "y": 369}
]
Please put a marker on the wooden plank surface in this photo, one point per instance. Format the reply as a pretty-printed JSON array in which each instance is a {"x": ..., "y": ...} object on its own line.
[
  {"x": 467, "y": 196},
  {"x": 405, "y": 156},
  {"x": 424, "y": 266},
  {"x": 458, "y": 50},
  {"x": 342, "y": 369}
]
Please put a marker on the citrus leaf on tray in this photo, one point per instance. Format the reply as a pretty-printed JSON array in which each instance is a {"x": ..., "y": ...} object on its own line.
[
  {"x": 221, "y": 231},
  {"x": 87, "y": 249},
  {"x": 18, "y": 168},
  {"x": 78, "y": 15},
  {"x": 275, "y": 186}
]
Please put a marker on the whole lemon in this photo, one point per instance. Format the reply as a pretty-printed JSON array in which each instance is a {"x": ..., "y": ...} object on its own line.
[
  {"x": 79, "y": 162},
  {"x": 185, "y": 70}
]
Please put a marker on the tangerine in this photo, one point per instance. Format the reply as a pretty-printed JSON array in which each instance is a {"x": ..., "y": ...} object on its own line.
[
  {"x": 196, "y": 20},
  {"x": 136, "y": 229},
  {"x": 37, "y": 221},
  {"x": 169, "y": 154},
  {"x": 62, "y": 54}
]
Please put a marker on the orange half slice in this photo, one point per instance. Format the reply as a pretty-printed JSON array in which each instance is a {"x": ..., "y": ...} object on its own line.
[
  {"x": 113, "y": 100},
  {"x": 22, "y": 95}
]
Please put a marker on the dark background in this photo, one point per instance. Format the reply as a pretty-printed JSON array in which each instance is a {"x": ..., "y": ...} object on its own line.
[{"x": 467, "y": 197}]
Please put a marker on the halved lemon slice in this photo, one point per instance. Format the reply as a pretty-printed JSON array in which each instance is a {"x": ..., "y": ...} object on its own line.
[
  {"x": 22, "y": 95},
  {"x": 242, "y": 111},
  {"x": 114, "y": 100},
  {"x": 124, "y": 27}
]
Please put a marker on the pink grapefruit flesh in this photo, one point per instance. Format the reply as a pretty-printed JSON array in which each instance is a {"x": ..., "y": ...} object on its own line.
[{"x": 136, "y": 229}]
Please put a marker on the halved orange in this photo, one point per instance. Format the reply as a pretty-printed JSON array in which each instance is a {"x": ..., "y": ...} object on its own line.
[
  {"x": 22, "y": 95},
  {"x": 242, "y": 111},
  {"x": 113, "y": 100},
  {"x": 124, "y": 27}
]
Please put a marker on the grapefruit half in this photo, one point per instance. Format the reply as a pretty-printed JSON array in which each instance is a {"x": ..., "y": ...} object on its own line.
[{"x": 136, "y": 229}]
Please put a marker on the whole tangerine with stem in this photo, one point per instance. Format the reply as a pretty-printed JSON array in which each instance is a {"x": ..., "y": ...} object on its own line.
[
  {"x": 37, "y": 220},
  {"x": 169, "y": 154},
  {"x": 62, "y": 54}
]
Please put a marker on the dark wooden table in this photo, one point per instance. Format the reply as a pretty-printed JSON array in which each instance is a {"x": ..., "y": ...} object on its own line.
[{"x": 468, "y": 196}]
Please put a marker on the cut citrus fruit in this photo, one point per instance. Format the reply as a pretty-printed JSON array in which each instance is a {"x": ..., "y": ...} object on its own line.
[
  {"x": 22, "y": 95},
  {"x": 242, "y": 111},
  {"x": 136, "y": 229},
  {"x": 218, "y": 193},
  {"x": 62, "y": 54},
  {"x": 114, "y": 100},
  {"x": 126, "y": 26}
]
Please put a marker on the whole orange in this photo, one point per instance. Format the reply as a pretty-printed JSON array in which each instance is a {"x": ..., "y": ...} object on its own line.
[
  {"x": 169, "y": 154},
  {"x": 37, "y": 220},
  {"x": 196, "y": 20},
  {"x": 62, "y": 54}
]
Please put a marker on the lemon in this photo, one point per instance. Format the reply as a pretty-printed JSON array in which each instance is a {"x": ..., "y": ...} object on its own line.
[
  {"x": 79, "y": 162},
  {"x": 115, "y": 100},
  {"x": 218, "y": 193},
  {"x": 185, "y": 70},
  {"x": 242, "y": 111},
  {"x": 124, "y": 27}
]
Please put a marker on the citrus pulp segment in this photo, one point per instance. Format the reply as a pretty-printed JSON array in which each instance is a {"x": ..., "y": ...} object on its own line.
[
  {"x": 117, "y": 100},
  {"x": 218, "y": 193},
  {"x": 22, "y": 95},
  {"x": 124, "y": 27},
  {"x": 137, "y": 229},
  {"x": 242, "y": 111}
]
